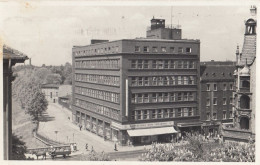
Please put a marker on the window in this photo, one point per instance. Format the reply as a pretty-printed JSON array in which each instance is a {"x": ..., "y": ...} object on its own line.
[
  {"x": 224, "y": 115},
  {"x": 224, "y": 101},
  {"x": 179, "y": 112},
  {"x": 139, "y": 98},
  {"x": 208, "y": 102},
  {"x": 160, "y": 97},
  {"x": 137, "y": 49},
  {"x": 155, "y": 49},
  {"x": 172, "y": 64},
  {"x": 154, "y": 97},
  {"x": 153, "y": 114},
  {"x": 185, "y": 96},
  {"x": 140, "y": 64},
  {"x": 214, "y": 116},
  {"x": 179, "y": 97},
  {"x": 190, "y": 112},
  {"x": 191, "y": 96},
  {"x": 160, "y": 64},
  {"x": 208, "y": 87},
  {"x": 166, "y": 64},
  {"x": 166, "y": 97},
  {"x": 145, "y": 64},
  {"x": 171, "y": 49},
  {"x": 231, "y": 100},
  {"x": 146, "y": 81},
  {"x": 138, "y": 115},
  {"x": 134, "y": 81},
  {"x": 188, "y": 50},
  {"x": 146, "y": 99},
  {"x": 145, "y": 114},
  {"x": 191, "y": 65},
  {"x": 214, "y": 101},
  {"x": 179, "y": 80},
  {"x": 159, "y": 113},
  {"x": 133, "y": 64},
  {"x": 163, "y": 49},
  {"x": 215, "y": 87},
  {"x": 154, "y": 82},
  {"x": 230, "y": 114},
  {"x": 179, "y": 64},
  {"x": 208, "y": 116},
  {"x": 173, "y": 97},
  {"x": 180, "y": 50},
  {"x": 185, "y": 64},
  {"x": 50, "y": 94},
  {"x": 146, "y": 49},
  {"x": 140, "y": 81},
  {"x": 224, "y": 87},
  {"x": 171, "y": 113},
  {"x": 154, "y": 64},
  {"x": 231, "y": 86}
]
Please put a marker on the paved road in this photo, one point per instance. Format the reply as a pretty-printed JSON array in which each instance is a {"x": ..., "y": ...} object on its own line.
[{"x": 57, "y": 120}]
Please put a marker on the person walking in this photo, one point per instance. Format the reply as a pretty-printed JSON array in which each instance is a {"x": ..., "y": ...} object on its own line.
[
  {"x": 86, "y": 146},
  {"x": 80, "y": 126},
  {"x": 115, "y": 147}
]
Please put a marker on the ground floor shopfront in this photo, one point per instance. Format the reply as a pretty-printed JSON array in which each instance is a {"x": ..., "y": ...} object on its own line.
[{"x": 133, "y": 134}]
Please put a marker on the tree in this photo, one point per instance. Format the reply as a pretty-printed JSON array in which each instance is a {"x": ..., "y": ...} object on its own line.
[
  {"x": 53, "y": 79},
  {"x": 18, "y": 148}
]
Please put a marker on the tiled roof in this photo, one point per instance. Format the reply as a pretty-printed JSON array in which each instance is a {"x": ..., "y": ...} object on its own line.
[
  {"x": 10, "y": 53},
  {"x": 65, "y": 90},
  {"x": 50, "y": 85},
  {"x": 248, "y": 50},
  {"x": 217, "y": 72}
]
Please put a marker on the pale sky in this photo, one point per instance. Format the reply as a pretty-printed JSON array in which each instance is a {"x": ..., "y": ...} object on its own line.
[{"x": 47, "y": 33}]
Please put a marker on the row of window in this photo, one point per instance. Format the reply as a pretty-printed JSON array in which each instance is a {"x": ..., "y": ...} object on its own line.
[
  {"x": 103, "y": 95},
  {"x": 163, "y": 49},
  {"x": 162, "y": 64},
  {"x": 215, "y": 87},
  {"x": 89, "y": 52},
  {"x": 214, "y": 115},
  {"x": 98, "y": 79},
  {"x": 215, "y": 101},
  {"x": 162, "y": 113},
  {"x": 163, "y": 80},
  {"x": 110, "y": 112},
  {"x": 163, "y": 97},
  {"x": 98, "y": 64}
]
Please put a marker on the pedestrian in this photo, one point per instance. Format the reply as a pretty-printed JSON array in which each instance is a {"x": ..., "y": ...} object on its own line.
[
  {"x": 92, "y": 149},
  {"x": 105, "y": 138},
  {"x": 115, "y": 147},
  {"x": 86, "y": 146},
  {"x": 80, "y": 126}
]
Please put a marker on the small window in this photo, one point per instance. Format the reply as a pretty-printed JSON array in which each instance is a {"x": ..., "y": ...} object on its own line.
[
  {"x": 188, "y": 50},
  {"x": 179, "y": 112},
  {"x": 224, "y": 115},
  {"x": 208, "y": 87},
  {"x": 208, "y": 102},
  {"x": 224, "y": 101},
  {"x": 231, "y": 86},
  {"x": 155, "y": 49},
  {"x": 231, "y": 100},
  {"x": 180, "y": 50},
  {"x": 163, "y": 49},
  {"x": 224, "y": 87},
  {"x": 137, "y": 48},
  {"x": 214, "y": 116},
  {"x": 208, "y": 116},
  {"x": 171, "y": 49},
  {"x": 215, "y": 87},
  {"x": 146, "y": 49},
  {"x": 215, "y": 102},
  {"x": 230, "y": 114}
]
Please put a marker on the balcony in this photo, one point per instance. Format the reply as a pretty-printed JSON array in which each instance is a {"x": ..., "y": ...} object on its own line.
[{"x": 244, "y": 90}]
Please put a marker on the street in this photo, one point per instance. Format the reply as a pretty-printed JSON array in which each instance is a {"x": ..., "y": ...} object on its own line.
[{"x": 56, "y": 125}]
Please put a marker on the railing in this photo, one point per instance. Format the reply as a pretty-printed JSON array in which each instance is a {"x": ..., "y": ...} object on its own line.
[{"x": 173, "y": 26}]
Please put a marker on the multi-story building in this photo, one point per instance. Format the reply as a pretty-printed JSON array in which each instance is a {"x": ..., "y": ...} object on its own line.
[
  {"x": 138, "y": 90},
  {"x": 217, "y": 84},
  {"x": 51, "y": 92},
  {"x": 244, "y": 94}
]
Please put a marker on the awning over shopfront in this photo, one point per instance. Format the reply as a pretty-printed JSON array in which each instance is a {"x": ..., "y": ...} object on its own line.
[
  {"x": 151, "y": 131},
  {"x": 195, "y": 124}
]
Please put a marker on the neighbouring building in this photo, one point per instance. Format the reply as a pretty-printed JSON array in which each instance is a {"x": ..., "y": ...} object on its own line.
[
  {"x": 10, "y": 58},
  {"x": 51, "y": 92},
  {"x": 217, "y": 85},
  {"x": 64, "y": 95},
  {"x": 244, "y": 94},
  {"x": 136, "y": 91}
]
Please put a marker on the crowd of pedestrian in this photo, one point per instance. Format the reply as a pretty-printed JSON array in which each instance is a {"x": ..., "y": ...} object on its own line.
[{"x": 197, "y": 147}]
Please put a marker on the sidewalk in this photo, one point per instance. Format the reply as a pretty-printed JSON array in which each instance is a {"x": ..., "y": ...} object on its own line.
[{"x": 69, "y": 132}]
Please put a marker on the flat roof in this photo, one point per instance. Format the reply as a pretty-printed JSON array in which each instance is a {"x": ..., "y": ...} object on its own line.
[{"x": 144, "y": 40}]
